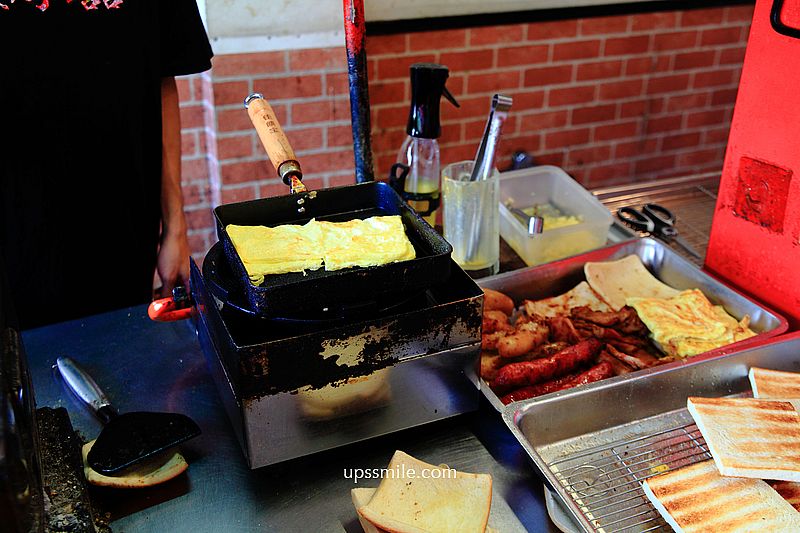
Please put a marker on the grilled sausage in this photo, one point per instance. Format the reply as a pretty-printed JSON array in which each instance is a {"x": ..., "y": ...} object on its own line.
[
  {"x": 532, "y": 391},
  {"x": 596, "y": 373},
  {"x": 497, "y": 300},
  {"x": 516, "y": 375}
]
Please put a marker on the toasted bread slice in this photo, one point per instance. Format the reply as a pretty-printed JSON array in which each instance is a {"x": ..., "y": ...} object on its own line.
[
  {"x": 789, "y": 491},
  {"x": 615, "y": 281},
  {"x": 749, "y": 437},
  {"x": 774, "y": 384},
  {"x": 432, "y": 499},
  {"x": 149, "y": 472},
  {"x": 697, "y": 498},
  {"x": 361, "y": 497}
]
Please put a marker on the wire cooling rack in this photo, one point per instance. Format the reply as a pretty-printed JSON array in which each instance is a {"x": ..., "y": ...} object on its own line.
[{"x": 605, "y": 481}]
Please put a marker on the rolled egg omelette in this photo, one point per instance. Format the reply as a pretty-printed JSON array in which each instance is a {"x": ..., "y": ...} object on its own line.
[
  {"x": 287, "y": 248},
  {"x": 689, "y": 324}
]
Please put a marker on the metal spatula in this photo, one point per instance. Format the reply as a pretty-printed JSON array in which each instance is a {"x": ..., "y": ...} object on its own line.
[{"x": 126, "y": 438}]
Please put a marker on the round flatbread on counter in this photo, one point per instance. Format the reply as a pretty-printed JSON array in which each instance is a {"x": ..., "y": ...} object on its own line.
[
  {"x": 361, "y": 497},
  {"x": 154, "y": 471}
]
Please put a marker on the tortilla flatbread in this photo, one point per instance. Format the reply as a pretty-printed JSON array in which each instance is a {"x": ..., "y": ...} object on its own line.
[
  {"x": 615, "y": 281},
  {"x": 580, "y": 295}
]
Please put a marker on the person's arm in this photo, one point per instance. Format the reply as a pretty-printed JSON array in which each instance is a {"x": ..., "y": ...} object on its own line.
[{"x": 173, "y": 253}]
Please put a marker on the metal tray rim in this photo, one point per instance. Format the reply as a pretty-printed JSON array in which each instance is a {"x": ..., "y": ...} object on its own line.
[{"x": 723, "y": 351}]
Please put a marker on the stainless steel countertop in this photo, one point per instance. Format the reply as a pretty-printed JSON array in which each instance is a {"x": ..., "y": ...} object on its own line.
[{"x": 144, "y": 365}]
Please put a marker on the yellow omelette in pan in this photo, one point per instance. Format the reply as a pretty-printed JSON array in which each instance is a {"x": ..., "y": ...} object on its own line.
[{"x": 372, "y": 241}]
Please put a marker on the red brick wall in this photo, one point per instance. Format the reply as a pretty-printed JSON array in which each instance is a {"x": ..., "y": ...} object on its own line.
[{"x": 611, "y": 100}]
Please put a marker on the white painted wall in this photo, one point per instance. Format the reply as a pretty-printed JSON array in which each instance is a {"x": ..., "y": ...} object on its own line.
[
  {"x": 240, "y": 26},
  {"x": 259, "y": 25},
  {"x": 411, "y": 9}
]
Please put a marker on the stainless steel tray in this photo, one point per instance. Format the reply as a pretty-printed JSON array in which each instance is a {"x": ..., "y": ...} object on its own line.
[
  {"x": 594, "y": 446},
  {"x": 558, "y": 277}
]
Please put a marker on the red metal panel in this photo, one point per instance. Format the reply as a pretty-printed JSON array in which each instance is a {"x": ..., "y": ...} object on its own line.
[
  {"x": 762, "y": 192},
  {"x": 755, "y": 236}
]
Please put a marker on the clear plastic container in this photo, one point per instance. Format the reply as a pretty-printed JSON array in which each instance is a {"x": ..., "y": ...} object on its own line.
[{"x": 551, "y": 185}]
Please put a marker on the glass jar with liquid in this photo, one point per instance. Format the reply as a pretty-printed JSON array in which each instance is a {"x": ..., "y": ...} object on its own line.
[{"x": 421, "y": 186}]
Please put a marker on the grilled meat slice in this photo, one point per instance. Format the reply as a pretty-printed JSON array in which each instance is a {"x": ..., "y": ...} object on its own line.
[
  {"x": 563, "y": 330},
  {"x": 638, "y": 359},
  {"x": 620, "y": 367}
]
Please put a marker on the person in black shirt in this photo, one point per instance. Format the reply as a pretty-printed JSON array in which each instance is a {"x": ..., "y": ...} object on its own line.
[{"x": 90, "y": 198}]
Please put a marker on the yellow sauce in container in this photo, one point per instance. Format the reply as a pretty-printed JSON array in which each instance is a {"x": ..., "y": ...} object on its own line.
[{"x": 552, "y": 216}]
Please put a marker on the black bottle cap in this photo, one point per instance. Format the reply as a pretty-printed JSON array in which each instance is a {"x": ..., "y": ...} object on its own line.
[{"x": 427, "y": 89}]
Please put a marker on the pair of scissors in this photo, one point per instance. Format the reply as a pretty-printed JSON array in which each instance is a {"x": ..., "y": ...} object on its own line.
[{"x": 656, "y": 220}]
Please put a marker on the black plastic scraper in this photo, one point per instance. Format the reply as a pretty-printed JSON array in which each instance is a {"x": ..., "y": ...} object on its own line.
[{"x": 126, "y": 438}]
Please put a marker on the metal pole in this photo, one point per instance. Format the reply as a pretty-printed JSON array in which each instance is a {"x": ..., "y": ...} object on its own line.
[{"x": 355, "y": 37}]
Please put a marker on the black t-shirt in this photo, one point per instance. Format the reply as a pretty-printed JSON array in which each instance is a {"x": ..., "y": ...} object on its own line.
[{"x": 80, "y": 147}]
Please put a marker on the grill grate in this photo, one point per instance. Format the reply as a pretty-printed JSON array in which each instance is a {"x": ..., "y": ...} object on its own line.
[
  {"x": 605, "y": 482},
  {"x": 693, "y": 201}
]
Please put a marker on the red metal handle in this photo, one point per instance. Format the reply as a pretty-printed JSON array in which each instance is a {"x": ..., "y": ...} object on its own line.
[{"x": 166, "y": 310}]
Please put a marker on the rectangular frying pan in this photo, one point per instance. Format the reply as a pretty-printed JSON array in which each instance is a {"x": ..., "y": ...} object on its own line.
[{"x": 297, "y": 292}]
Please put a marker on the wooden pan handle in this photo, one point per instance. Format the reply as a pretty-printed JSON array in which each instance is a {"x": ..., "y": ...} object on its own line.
[{"x": 274, "y": 140}]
